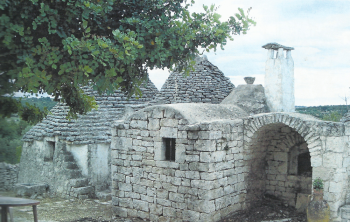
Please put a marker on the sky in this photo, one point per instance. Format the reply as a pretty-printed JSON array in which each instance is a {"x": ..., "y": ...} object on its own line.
[{"x": 319, "y": 31}]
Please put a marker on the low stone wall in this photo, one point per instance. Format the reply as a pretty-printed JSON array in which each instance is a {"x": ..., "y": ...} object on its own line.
[{"x": 8, "y": 176}]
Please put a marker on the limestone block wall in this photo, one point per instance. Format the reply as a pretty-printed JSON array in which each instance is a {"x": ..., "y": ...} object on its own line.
[
  {"x": 328, "y": 147},
  {"x": 273, "y": 170},
  {"x": 8, "y": 176},
  {"x": 35, "y": 158},
  {"x": 204, "y": 183}
]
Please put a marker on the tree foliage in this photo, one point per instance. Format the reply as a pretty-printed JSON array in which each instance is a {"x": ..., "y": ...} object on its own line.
[
  {"x": 11, "y": 132},
  {"x": 55, "y": 46}
]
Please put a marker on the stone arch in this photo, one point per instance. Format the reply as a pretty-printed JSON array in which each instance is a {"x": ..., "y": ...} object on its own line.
[
  {"x": 297, "y": 122},
  {"x": 269, "y": 141}
]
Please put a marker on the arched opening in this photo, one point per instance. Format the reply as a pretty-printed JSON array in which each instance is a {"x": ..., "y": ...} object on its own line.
[{"x": 279, "y": 164}]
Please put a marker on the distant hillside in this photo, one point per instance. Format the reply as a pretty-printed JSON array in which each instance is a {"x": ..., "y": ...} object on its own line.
[
  {"x": 328, "y": 113},
  {"x": 39, "y": 102}
]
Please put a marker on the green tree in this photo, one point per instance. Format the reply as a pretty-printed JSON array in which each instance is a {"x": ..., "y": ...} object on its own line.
[
  {"x": 334, "y": 116},
  {"x": 55, "y": 46},
  {"x": 11, "y": 132}
]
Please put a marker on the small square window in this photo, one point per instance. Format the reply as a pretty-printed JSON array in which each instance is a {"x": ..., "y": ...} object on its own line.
[{"x": 169, "y": 148}]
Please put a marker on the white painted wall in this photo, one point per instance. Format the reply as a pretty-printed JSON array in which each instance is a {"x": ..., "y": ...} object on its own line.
[
  {"x": 80, "y": 153},
  {"x": 100, "y": 170},
  {"x": 279, "y": 81}
]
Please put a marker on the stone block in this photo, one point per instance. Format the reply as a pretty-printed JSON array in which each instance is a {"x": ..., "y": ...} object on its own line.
[
  {"x": 218, "y": 156},
  {"x": 205, "y": 145},
  {"x": 157, "y": 113},
  {"x": 169, "y": 212},
  {"x": 280, "y": 156},
  {"x": 215, "y": 135},
  {"x": 345, "y": 212},
  {"x": 316, "y": 161},
  {"x": 205, "y": 157},
  {"x": 332, "y": 160},
  {"x": 138, "y": 124},
  {"x": 125, "y": 202},
  {"x": 192, "y": 158},
  {"x": 203, "y": 135},
  {"x": 162, "y": 194},
  {"x": 168, "y": 122},
  {"x": 335, "y": 187},
  {"x": 120, "y": 211},
  {"x": 204, "y": 206},
  {"x": 193, "y": 175},
  {"x": 155, "y": 209},
  {"x": 302, "y": 202},
  {"x": 177, "y": 197},
  {"x": 168, "y": 132},
  {"x": 163, "y": 202},
  {"x": 182, "y": 134},
  {"x": 27, "y": 189},
  {"x": 336, "y": 144},
  {"x": 169, "y": 113},
  {"x": 211, "y": 176},
  {"x": 140, "y": 205}
]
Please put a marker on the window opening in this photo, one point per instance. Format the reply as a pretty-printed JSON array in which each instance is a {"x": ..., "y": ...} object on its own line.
[
  {"x": 51, "y": 151},
  {"x": 304, "y": 164},
  {"x": 169, "y": 149}
]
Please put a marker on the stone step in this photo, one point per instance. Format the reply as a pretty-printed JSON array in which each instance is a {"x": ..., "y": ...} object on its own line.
[
  {"x": 89, "y": 190},
  {"x": 68, "y": 157},
  {"x": 73, "y": 173},
  {"x": 104, "y": 195},
  {"x": 71, "y": 165},
  {"x": 79, "y": 182}
]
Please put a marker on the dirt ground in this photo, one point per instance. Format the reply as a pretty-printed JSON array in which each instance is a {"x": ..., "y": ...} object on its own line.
[{"x": 73, "y": 210}]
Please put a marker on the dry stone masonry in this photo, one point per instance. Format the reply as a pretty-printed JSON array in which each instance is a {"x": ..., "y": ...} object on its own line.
[
  {"x": 206, "y": 84},
  {"x": 206, "y": 150},
  {"x": 223, "y": 163},
  {"x": 205, "y": 181},
  {"x": 76, "y": 153},
  {"x": 8, "y": 175}
]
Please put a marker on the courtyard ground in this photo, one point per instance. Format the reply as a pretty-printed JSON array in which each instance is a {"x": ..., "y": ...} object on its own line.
[{"x": 91, "y": 210}]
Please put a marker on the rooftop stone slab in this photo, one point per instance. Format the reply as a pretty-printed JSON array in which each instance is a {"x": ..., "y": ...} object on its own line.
[
  {"x": 196, "y": 112},
  {"x": 276, "y": 46},
  {"x": 94, "y": 127},
  {"x": 206, "y": 84}
]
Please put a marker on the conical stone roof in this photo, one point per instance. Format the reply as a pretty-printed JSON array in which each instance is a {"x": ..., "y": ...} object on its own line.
[
  {"x": 206, "y": 84},
  {"x": 95, "y": 126}
]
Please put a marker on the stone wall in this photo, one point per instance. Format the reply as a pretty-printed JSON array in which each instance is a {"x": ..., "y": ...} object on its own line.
[
  {"x": 8, "y": 176},
  {"x": 204, "y": 183},
  {"x": 274, "y": 171},
  {"x": 224, "y": 165},
  {"x": 327, "y": 143}
]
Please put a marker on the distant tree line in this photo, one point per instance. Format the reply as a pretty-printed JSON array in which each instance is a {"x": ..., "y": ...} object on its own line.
[
  {"x": 328, "y": 113},
  {"x": 12, "y": 130},
  {"x": 41, "y": 103}
]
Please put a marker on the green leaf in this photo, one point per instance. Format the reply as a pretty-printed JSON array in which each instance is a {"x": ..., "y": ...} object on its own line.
[
  {"x": 85, "y": 23},
  {"x": 88, "y": 69}
]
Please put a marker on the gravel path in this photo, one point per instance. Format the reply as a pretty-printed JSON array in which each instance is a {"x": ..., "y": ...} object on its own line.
[{"x": 91, "y": 210}]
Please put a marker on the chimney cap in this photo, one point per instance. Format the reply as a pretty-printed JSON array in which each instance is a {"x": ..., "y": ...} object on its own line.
[{"x": 276, "y": 46}]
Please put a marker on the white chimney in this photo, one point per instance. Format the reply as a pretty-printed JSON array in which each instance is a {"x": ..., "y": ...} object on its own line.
[{"x": 279, "y": 78}]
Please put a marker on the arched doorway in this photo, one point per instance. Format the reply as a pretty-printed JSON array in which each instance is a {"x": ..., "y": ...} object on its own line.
[{"x": 280, "y": 164}]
